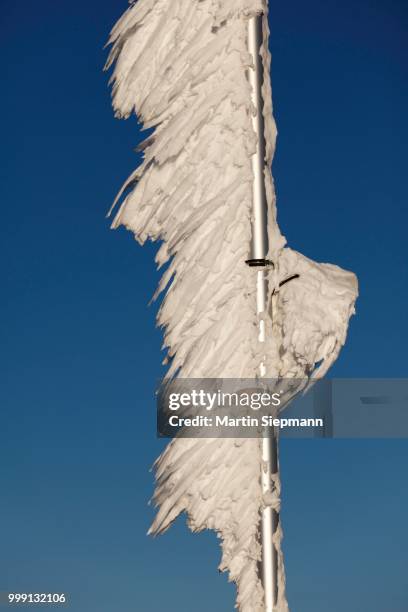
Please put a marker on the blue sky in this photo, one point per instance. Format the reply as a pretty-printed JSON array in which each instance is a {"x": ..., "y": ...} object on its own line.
[{"x": 80, "y": 350}]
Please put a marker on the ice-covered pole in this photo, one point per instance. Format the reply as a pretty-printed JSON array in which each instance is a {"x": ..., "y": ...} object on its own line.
[
  {"x": 185, "y": 68},
  {"x": 258, "y": 259}
]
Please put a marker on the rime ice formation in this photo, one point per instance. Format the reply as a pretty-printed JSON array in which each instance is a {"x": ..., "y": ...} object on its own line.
[{"x": 181, "y": 65}]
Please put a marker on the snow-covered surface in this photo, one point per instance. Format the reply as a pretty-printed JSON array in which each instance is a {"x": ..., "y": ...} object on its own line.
[{"x": 182, "y": 65}]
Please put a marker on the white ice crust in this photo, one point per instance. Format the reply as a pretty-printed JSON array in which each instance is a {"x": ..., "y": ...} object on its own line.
[{"x": 181, "y": 65}]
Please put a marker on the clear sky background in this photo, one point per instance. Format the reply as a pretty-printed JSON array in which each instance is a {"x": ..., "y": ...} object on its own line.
[{"x": 80, "y": 353}]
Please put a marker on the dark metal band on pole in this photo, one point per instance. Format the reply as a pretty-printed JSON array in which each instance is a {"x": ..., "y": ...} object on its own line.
[{"x": 259, "y": 251}]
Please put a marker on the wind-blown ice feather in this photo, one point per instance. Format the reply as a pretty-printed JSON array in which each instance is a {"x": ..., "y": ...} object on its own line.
[{"x": 181, "y": 65}]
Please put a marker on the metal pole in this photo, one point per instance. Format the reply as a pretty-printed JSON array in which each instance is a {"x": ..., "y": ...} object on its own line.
[{"x": 259, "y": 251}]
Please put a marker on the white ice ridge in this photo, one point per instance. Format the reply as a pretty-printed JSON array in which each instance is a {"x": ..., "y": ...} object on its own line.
[{"x": 182, "y": 66}]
